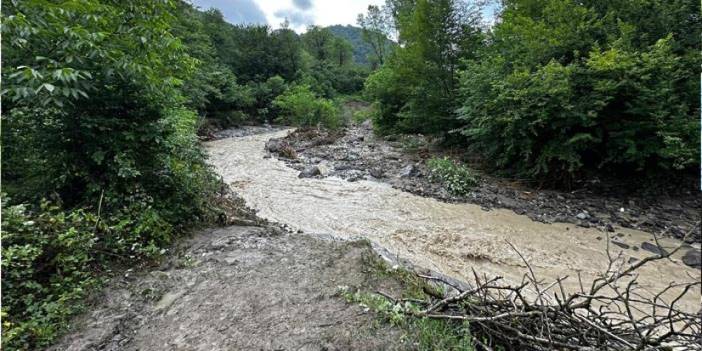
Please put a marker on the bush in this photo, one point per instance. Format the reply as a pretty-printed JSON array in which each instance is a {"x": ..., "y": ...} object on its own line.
[
  {"x": 108, "y": 139},
  {"x": 456, "y": 178},
  {"x": 47, "y": 260},
  {"x": 567, "y": 87},
  {"x": 300, "y": 106},
  {"x": 622, "y": 111},
  {"x": 383, "y": 87}
]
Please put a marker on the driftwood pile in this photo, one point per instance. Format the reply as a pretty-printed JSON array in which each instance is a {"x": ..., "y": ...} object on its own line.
[{"x": 609, "y": 313}]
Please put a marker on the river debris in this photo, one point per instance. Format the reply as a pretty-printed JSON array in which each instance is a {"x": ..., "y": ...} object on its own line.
[
  {"x": 355, "y": 153},
  {"x": 610, "y": 313}
]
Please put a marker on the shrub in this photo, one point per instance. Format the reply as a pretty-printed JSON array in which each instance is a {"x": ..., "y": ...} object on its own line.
[
  {"x": 621, "y": 111},
  {"x": 456, "y": 178},
  {"x": 108, "y": 139},
  {"x": 570, "y": 87},
  {"x": 300, "y": 106},
  {"x": 47, "y": 259}
]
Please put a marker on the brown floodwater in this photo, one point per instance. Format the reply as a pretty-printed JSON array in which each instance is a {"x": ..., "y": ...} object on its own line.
[{"x": 452, "y": 239}]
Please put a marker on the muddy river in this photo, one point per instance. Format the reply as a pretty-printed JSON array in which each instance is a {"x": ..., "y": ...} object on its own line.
[{"x": 450, "y": 238}]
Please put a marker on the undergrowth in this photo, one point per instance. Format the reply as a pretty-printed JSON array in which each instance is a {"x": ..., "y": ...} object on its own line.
[
  {"x": 456, "y": 178},
  {"x": 422, "y": 333}
]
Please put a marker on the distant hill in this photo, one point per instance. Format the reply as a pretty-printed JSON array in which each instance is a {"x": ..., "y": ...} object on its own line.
[{"x": 361, "y": 49}]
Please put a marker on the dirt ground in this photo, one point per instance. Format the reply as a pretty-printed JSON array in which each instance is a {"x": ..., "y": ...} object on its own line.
[{"x": 241, "y": 288}]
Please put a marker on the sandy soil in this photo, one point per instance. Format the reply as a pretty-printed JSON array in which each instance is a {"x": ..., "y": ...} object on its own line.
[{"x": 241, "y": 288}]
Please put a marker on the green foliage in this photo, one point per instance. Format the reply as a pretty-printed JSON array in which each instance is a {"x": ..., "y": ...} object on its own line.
[
  {"x": 556, "y": 89},
  {"x": 363, "y": 51},
  {"x": 376, "y": 28},
  {"x": 244, "y": 68},
  {"x": 95, "y": 119},
  {"x": 417, "y": 86},
  {"x": 456, "y": 178},
  {"x": 361, "y": 115},
  {"x": 423, "y": 333},
  {"x": 46, "y": 262},
  {"x": 390, "y": 94},
  {"x": 567, "y": 88},
  {"x": 300, "y": 106}
]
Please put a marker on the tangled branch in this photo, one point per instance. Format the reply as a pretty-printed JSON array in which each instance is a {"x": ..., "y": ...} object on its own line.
[{"x": 609, "y": 314}]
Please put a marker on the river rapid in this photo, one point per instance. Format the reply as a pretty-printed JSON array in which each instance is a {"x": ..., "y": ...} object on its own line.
[{"x": 453, "y": 239}]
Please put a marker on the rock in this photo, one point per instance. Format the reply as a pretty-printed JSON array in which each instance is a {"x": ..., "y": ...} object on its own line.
[
  {"x": 620, "y": 244},
  {"x": 230, "y": 260},
  {"x": 376, "y": 172},
  {"x": 309, "y": 172},
  {"x": 168, "y": 299},
  {"x": 693, "y": 258},
  {"x": 367, "y": 124},
  {"x": 323, "y": 170},
  {"x": 275, "y": 145},
  {"x": 653, "y": 248},
  {"x": 343, "y": 167},
  {"x": 408, "y": 171},
  {"x": 582, "y": 215}
]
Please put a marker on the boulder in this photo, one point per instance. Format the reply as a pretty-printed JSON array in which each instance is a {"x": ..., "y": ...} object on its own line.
[
  {"x": 693, "y": 258},
  {"x": 408, "y": 171},
  {"x": 309, "y": 171},
  {"x": 324, "y": 170},
  {"x": 377, "y": 172},
  {"x": 275, "y": 145},
  {"x": 653, "y": 248},
  {"x": 620, "y": 244}
]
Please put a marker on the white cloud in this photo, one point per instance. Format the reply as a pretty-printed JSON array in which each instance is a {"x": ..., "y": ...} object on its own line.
[
  {"x": 320, "y": 12},
  {"x": 300, "y": 13}
]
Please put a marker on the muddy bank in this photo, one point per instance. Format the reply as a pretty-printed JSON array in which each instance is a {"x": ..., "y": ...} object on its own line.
[
  {"x": 355, "y": 154},
  {"x": 450, "y": 238},
  {"x": 241, "y": 288}
]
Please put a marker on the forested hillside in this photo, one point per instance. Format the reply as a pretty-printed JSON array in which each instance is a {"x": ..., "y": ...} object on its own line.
[{"x": 363, "y": 53}]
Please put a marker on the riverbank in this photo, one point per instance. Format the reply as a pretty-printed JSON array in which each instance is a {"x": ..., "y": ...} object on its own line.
[
  {"x": 251, "y": 285},
  {"x": 357, "y": 154},
  {"x": 450, "y": 238}
]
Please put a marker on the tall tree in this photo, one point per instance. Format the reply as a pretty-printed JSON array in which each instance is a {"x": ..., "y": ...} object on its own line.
[
  {"x": 341, "y": 51},
  {"x": 434, "y": 36},
  {"x": 318, "y": 41},
  {"x": 377, "y": 26}
]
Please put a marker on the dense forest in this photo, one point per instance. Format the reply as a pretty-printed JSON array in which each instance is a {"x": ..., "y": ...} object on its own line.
[
  {"x": 555, "y": 89},
  {"x": 103, "y": 102}
]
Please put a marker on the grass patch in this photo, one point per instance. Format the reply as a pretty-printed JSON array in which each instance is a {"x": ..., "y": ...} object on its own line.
[
  {"x": 422, "y": 333},
  {"x": 456, "y": 178}
]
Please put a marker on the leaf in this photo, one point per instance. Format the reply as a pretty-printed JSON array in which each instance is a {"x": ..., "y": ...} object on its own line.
[{"x": 49, "y": 87}]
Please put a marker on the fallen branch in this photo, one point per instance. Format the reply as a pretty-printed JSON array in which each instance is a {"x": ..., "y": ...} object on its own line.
[{"x": 610, "y": 314}]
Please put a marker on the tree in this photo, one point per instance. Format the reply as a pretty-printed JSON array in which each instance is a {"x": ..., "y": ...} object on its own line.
[
  {"x": 434, "y": 36},
  {"x": 376, "y": 25},
  {"x": 574, "y": 86},
  {"x": 318, "y": 42},
  {"x": 94, "y": 120},
  {"x": 341, "y": 51}
]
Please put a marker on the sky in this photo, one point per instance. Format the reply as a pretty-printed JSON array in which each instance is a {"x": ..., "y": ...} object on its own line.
[{"x": 300, "y": 13}]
